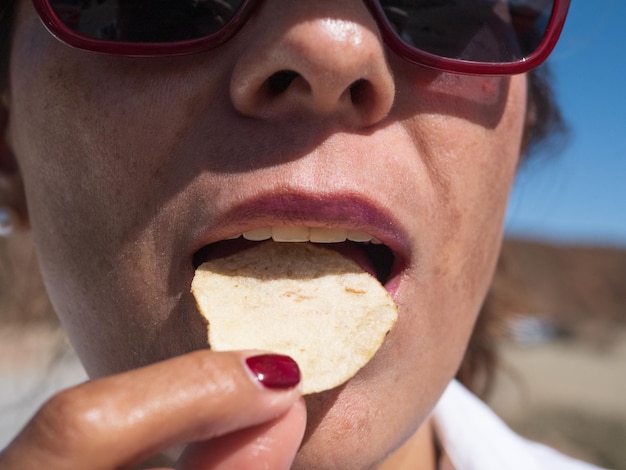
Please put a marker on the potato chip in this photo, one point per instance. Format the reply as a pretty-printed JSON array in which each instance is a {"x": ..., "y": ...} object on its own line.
[{"x": 298, "y": 299}]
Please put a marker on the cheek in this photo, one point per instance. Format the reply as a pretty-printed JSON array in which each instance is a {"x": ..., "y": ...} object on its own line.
[
  {"x": 97, "y": 128},
  {"x": 470, "y": 138},
  {"x": 98, "y": 138},
  {"x": 471, "y": 163},
  {"x": 97, "y": 141},
  {"x": 485, "y": 164},
  {"x": 483, "y": 185}
]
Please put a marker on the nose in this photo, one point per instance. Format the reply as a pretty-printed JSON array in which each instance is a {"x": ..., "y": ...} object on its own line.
[{"x": 325, "y": 58}]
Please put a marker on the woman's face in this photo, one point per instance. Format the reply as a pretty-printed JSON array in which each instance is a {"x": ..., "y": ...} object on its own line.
[{"x": 132, "y": 165}]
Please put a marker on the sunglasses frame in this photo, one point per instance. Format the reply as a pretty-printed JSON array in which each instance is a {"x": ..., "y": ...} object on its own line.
[{"x": 416, "y": 56}]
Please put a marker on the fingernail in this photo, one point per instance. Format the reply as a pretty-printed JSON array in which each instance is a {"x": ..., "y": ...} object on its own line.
[{"x": 274, "y": 371}]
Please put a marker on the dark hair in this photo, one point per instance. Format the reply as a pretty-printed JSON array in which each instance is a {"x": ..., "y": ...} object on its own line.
[
  {"x": 6, "y": 27},
  {"x": 543, "y": 120}
]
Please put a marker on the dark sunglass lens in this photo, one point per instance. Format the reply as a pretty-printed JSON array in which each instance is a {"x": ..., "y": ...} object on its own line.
[
  {"x": 150, "y": 21},
  {"x": 489, "y": 31}
]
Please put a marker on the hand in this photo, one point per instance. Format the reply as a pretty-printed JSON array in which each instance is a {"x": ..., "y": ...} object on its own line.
[{"x": 213, "y": 400}]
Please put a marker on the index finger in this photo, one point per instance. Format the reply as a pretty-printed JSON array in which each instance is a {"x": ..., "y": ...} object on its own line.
[{"x": 122, "y": 419}]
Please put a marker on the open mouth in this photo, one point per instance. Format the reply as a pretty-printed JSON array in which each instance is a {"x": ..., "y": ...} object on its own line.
[{"x": 368, "y": 252}]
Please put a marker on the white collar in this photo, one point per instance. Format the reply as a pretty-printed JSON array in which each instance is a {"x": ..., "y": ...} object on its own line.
[{"x": 474, "y": 438}]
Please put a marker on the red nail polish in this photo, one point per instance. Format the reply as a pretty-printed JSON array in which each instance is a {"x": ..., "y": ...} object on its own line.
[{"x": 274, "y": 370}]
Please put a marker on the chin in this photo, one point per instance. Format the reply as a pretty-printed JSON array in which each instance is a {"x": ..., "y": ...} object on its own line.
[{"x": 357, "y": 426}]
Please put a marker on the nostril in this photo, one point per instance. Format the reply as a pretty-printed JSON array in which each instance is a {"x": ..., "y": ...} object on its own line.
[
  {"x": 359, "y": 91},
  {"x": 280, "y": 81}
]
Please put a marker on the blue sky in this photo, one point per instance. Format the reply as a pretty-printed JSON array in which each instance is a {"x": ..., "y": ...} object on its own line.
[{"x": 579, "y": 195}]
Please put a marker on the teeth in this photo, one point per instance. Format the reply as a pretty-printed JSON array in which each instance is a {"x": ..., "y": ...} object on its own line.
[
  {"x": 306, "y": 234},
  {"x": 258, "y": 234},
  {"x": 327, "y": 235},
  {"x": 290, "y": 234},
  {"x": 356, "y": 236}
]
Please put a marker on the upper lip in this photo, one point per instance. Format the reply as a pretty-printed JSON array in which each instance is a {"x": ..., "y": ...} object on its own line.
[{"x": 347, "y": 211}]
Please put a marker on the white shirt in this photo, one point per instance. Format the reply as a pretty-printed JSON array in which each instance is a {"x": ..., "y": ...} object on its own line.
[{"x": 474, "y": 438}]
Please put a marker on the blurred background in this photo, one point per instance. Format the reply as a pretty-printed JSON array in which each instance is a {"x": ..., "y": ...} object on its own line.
[{"x": 562, "y": 372}]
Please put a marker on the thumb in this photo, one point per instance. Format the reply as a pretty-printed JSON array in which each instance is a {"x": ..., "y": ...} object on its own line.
[{"x": 270, "y": 445}]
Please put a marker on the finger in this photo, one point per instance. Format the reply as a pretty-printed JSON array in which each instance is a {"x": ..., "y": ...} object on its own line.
[
  {"x": 270, "y": 445},
  {"x": 120, "y": 420}
]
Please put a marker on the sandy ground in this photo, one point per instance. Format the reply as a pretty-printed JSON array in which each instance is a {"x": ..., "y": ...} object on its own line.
[
  {"x": 34, "y": 364},
  {"x": 569, "y": 394}
]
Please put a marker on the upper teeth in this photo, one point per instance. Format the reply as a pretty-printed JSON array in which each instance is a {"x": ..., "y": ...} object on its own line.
[{"x": 307, "y": 234}]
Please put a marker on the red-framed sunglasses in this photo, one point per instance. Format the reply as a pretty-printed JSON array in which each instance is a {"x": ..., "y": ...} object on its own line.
[{"x": 487, "y": 37}]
